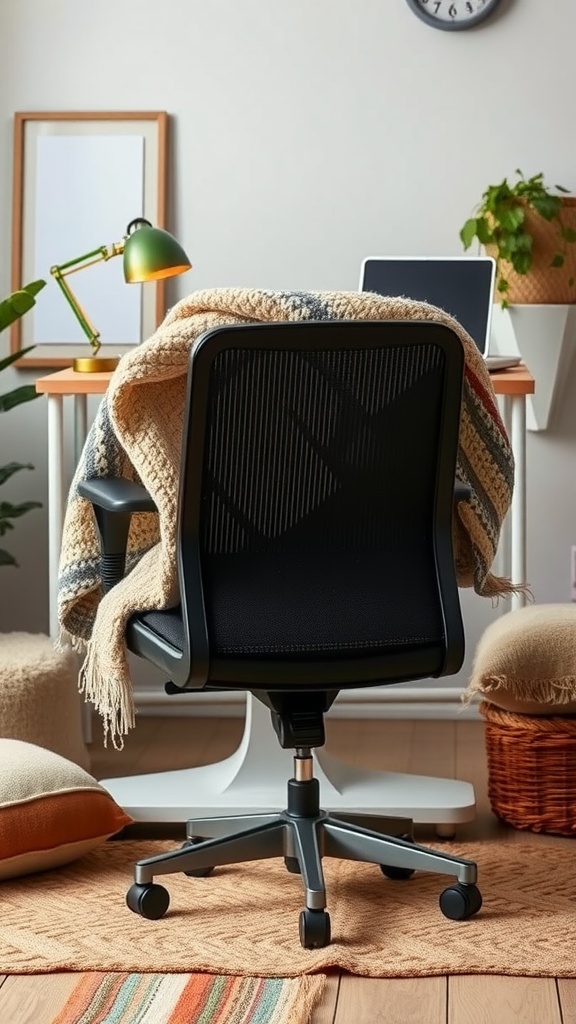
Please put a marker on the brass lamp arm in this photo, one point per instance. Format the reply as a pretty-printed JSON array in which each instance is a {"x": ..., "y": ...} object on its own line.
[{"x": 63, "y": 270}]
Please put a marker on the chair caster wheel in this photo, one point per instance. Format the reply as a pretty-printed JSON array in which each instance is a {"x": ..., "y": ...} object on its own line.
[
  {"x": 292, "y": 865},
  {"x": 460, "y": 901},
  {"x": 398, "y": 873},
  {"x": 196, "y": 872},
  {"x": 314, "y": 927},
  {"x": 150, "y": 901}
]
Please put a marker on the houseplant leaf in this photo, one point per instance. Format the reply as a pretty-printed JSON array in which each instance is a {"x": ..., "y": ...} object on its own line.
[
  {"x": 18, "y": 303},
  {"x": 523, "y": 224},
  {"x": 11, "y": 308},
  {"x": 25, "y": 393},
  {"x": 12, "y": 467}
]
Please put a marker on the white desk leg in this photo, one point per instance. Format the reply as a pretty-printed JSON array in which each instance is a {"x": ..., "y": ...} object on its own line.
[
  {"x": 55, "y": 502},
  {"x": 518, "y": 561},
  {"x": 56, "y": 505},
  {"x": 80, "y": 424},
  {"x": 505, "y": 533},
  {"x": 80, "y": 431}
]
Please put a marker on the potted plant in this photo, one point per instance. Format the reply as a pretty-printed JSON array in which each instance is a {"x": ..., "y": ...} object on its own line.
[
  {"x": 530, "y": 230},
  {"x": 12, "y": 307}
]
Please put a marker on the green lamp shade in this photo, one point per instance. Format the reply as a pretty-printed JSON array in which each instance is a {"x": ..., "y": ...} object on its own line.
[{"x": 151, "y": 254}]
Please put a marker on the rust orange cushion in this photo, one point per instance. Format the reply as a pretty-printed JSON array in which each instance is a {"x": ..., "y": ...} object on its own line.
[{"x": 51, "y": 810}]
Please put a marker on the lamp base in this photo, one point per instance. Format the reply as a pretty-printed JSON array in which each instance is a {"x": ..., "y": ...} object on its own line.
[{"x": 93, "y": 364}]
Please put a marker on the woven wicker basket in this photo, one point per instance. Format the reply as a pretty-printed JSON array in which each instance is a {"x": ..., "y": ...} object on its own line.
[
  {"x": 532, "y": 769},
  {"x": 544, "y": 284}
]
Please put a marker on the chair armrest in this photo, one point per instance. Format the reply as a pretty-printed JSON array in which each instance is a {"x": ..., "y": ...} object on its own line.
[
  {"x": 462, "y": 492},
  {"x": 114, "y": 501},
  {"x": 117, "y": 495}
]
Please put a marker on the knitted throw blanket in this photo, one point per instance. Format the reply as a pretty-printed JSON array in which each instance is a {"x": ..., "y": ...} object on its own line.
[{"x": 137, "y": 434}]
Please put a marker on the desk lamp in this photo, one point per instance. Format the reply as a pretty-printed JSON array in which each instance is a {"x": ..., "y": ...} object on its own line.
[{"x": 149, "y": 255}]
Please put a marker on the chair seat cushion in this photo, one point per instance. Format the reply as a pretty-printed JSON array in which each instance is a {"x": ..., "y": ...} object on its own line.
[
  {"x": 51, "y": 810},
  {"x": 525, "y": 661}
]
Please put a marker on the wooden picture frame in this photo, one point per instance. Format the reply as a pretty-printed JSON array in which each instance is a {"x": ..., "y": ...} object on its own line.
[{"x": 79, "y": 179}]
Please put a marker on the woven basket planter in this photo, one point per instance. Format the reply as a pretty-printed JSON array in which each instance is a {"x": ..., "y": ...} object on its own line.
[
  {"x": 532, "y": 769},
  {"x": 544, "y": 284}
]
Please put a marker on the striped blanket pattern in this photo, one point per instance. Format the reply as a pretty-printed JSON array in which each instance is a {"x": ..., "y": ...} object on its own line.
[
  {"x": 137, "y": 434},
  {"x": 189, "y": 999}
]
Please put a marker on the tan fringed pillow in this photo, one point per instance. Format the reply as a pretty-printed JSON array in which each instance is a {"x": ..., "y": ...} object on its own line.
[
  {"x": 51, "y": 810},
  {"x": 525, "y": 661}
]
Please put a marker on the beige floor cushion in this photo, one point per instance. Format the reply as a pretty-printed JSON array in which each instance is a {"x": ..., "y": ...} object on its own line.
[
  {"x": 51, "y": 811},
  {"x": 525, "y": 661},
  {"x": 39, "y": 699}
]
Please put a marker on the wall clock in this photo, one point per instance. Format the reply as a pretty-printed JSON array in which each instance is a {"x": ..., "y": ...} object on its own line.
[{"x": 453, "y": 14}]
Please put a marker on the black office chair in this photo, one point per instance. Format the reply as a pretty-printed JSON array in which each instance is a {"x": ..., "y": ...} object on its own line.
[{"x": 315, "y": 554}]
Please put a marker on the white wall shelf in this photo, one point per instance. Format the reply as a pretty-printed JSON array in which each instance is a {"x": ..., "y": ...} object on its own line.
[{"x": 545, "y": 337}]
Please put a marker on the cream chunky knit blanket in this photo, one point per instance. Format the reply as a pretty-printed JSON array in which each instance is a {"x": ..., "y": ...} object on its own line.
[{"x": 137, "y": 435}]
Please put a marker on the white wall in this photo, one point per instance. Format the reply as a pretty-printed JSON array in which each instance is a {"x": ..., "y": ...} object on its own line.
[{"x": 305, "y": 135}]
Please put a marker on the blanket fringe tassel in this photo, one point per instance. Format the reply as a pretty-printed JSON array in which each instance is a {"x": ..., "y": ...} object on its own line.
[
  {"x": 112, "y": 697},
  {"x": 545, "y": 691},
  {"x": 500, "y": 586}
]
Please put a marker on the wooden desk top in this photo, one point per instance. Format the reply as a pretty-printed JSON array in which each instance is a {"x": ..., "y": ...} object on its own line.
[
  {"x": 515, "y": 381},
  {"x": 69, "y": 382}
]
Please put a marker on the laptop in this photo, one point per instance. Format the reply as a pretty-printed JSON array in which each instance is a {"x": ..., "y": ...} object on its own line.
[{"x": 461, "y": 285}]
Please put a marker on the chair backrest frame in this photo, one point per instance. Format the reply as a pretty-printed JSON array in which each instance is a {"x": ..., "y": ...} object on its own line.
[{"x": 198, "y": 667}]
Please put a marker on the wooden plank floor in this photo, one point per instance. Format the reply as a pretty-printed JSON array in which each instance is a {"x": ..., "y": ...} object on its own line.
[{"x": 453, "y": 748}]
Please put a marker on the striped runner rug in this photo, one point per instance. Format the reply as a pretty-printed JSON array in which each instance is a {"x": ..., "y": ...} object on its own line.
[{"x": 190, "y": 999}]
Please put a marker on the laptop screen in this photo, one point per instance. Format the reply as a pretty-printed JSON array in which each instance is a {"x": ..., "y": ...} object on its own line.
[{"x": 461, "y": 285}]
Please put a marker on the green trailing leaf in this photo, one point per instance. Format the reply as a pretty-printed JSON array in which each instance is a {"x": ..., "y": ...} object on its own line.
[
  {"x": 547, "y": 206},
  {"x": 18, "y": 303},
  {"x": 510, "y": 218},
  {"x": 25, "y": 393},
  {"x": 484, "y": 231},
  {"x": 521, "y": 261},
  {"x": 6, "y": 558},
  {"x": 468, "y": 233},
  {"x": 500, "y": 222},
  {"x": 14, "y": 307},
  {"x": 9, "y": 511},
  {"x": 33, "y": 287},
  {"x": 12, "y": 467},
  {"x": 14, "y": 356}
]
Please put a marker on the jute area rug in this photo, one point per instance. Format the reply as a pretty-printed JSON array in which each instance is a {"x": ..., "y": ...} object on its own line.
[{"x": 243, "y": 919}]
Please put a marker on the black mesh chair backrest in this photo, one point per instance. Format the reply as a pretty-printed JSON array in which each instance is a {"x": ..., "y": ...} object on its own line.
[{"x": 316, "y": 502}]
